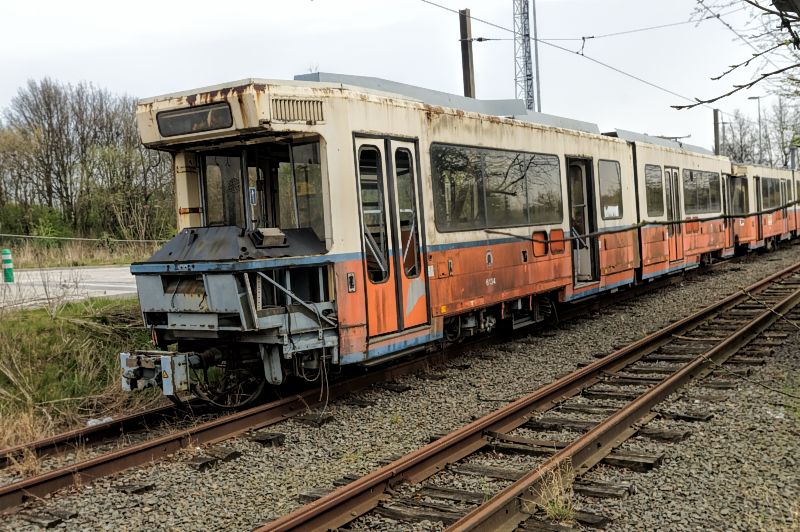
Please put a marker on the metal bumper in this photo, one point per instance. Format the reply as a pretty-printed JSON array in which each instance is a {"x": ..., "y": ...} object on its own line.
[{"x": 149, "y": 369}]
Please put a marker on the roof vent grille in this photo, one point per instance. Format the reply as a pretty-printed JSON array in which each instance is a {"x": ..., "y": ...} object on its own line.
[{"x": 291, "y": 110}]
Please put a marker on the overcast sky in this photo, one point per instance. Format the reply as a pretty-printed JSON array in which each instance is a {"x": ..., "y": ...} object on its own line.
[{"x": 146, "y": 48}]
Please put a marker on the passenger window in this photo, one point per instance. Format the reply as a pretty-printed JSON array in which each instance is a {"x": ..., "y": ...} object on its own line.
[
  {"x": 223, "y": 191},
  {"x": 702, "y": 192},
  {"x": 610, "y": 178},
  {"x": 771, "y": 193},
  {"x": 740, "y": 202},
  {"x": 407, "y": 204},
  {"x": 373, "y": 214},
  {"x": 544, "y": 190},
  {"x": 690, "y": 192},
  {"x": 457, "y": 188},
  {"x": 714, "y": 192},
  {"x": 520, "y": 188},
  {"x": 701, "y": 184},
  {"x": 505, "y": 187},
  {"x": 654, "y": 189}
]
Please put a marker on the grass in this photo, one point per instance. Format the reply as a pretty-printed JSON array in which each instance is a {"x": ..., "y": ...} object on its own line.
[
  {"x": 58, "y": 366},
  {"x": 769, "y": 513},
  {"x": 59, "y": 254},
  {"x": 555, "y": 494},
  {"x": 351, "y": 457}
]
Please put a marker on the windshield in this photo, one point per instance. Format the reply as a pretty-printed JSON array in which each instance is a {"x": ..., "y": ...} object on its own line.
[{"x": 282, "y": 187}]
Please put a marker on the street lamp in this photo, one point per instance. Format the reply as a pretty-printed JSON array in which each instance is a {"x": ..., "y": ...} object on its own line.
[{"x": 760, "y": 146}]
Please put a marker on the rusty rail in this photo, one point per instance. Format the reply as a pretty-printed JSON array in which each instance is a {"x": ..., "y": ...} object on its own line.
[
  {"x": 517, "y": 502},
  {"x": 94, "y": 434},
  {"x": 508, "y": 507}
]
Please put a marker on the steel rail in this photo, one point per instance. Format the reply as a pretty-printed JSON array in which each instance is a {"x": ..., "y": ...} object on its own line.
[
  {"x": 350, "y": 501},
  {"x": 73, "y": 439},
  {"x": 514, "y": 504}
]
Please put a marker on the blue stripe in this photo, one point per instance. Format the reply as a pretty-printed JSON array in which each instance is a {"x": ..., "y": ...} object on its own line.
[
  {"x": 674, "y": 269},
  {"x": 598, "y": 290},
  {"x": 400, "y": 345},
  {"x": 237, "y": 266}
]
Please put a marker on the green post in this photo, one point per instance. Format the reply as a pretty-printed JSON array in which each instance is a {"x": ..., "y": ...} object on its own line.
[{"x": 8, "y": 267}]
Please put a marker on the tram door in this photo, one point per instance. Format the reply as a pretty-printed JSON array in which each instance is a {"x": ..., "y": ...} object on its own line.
[
  {"x": 582, "y": 221},
  {"x": 759, "y": 206},
  {"x": 674, "y": 230},
  {"x": 396, "y": 292},
  {"x": 784, "y": 210}
]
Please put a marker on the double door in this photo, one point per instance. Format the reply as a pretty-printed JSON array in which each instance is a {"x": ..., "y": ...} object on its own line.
[
  {"x": 674, "y": 230},
  {"x": 393, "y": 255}
]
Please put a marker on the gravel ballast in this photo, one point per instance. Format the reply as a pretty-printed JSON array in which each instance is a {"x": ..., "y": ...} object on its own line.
[{"x": 264, "y": 482}]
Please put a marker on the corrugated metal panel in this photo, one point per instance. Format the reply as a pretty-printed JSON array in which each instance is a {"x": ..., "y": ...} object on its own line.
[
  {"x": 631, "y": 136},
  {"x": 292, "y": 110}
]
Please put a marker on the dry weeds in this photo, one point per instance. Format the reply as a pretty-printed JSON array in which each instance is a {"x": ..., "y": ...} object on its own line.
[
  {"x": 555, "y": 494},
  {"x": 54, "y": 253},
  {"x": 58, "y": 368}
]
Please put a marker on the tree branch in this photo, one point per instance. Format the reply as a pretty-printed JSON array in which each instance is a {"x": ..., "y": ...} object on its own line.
[
  {"x": 751, "y": 59},
  {"x": 737, "y": 88},
  {"x": 793, "y": 18}
]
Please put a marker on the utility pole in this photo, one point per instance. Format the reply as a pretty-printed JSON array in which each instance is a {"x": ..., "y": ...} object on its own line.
[
  {"x": 760, "y": 137},
  {"x": 716, "y": 132},
  {"x": 724, "y": 148},
  {"x": 523, "y": 67},
  {"x": 536, "y": 59},
  {"x": 466, "y": 53}
]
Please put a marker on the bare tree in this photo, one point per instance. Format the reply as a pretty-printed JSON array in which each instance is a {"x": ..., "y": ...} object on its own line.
[
  {"x": 741, "y": 139},
  {"x": 75, "y": 150},
  {"x": 782, "y": 131}
]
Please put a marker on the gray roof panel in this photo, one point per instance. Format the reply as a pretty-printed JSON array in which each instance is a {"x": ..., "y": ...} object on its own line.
[
  {"x": 632, "y": 136},
  {"x": 507, "y": 108}
]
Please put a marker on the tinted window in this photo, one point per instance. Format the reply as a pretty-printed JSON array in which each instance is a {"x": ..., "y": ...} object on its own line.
[
  {"x": 714, "y": 191},
  {"x": 771, "y": 193},
  {"x": 505, "y": 187},
  {"x": 654, "y": 189},
  {"x": 610, "y": 189},
  {"x": 457, "y": 188},
  {"x": 740, "y": 202},
  {"x": 520, "y": 188},
  {"x": 407, "y": 205},
  {"x": 194, "y": 119},
  {"x": 373, "y": 214},
  {"x": 223, "y": 188},
  {"x": 701, "y": 192},
  {"x": 544, "y": 189}
]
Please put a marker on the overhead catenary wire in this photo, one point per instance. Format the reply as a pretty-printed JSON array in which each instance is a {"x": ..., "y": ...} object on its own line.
[
  {"x": 617, "y": 33},
  {"x": 647, "y": 28},
  {"x": 589, "y": 58}
]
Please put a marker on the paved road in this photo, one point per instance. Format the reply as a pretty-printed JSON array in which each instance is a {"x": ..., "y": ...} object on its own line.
[{"x": 53, "y": 286}]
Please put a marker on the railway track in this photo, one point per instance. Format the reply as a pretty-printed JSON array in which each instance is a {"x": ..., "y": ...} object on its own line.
[
  {"x": 93, "y": 435},
  {"x": 623, "y": 387},
  {"x": 219, "y": 429}
]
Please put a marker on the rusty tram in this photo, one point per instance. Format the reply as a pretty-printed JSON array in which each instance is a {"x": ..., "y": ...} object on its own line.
[{"x": 338, "y": 220}]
